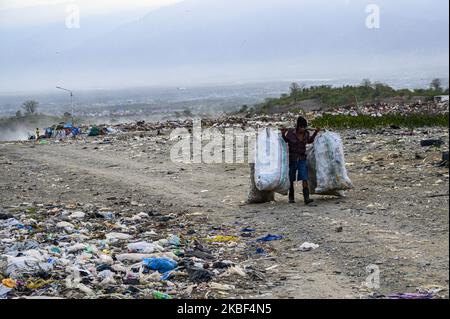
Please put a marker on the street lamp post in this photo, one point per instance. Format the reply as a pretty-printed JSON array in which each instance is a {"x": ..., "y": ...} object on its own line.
[{"x": 71, "y": 99}]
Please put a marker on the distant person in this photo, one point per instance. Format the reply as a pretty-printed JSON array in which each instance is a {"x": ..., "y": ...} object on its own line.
[
  {"x": 297, "y": 139},
  {"x": 37, "y": 134}
]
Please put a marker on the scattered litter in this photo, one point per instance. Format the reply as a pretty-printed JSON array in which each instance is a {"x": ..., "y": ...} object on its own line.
[
  {"x": 218, "y": 286},
  {"x": 118, "y": 236},
  {"x": 222, "y": 239}
]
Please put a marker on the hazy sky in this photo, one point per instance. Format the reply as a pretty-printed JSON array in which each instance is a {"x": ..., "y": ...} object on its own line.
[
  {"x": 16, "y": 13},
  {"x": 125, "y": 43}
]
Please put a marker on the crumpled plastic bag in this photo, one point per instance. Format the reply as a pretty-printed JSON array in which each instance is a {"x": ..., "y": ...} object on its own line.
[
  {"x": 160, "y": 264},
  {"x": 21, "y": 246},
  {"x": 308, "y": 246},
  {"x": 15, "y": 267},
  {"x": 144, "y": 247}
]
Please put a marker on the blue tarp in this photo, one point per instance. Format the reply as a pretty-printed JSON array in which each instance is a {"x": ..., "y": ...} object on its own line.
[{"x": 75, "y": 131}]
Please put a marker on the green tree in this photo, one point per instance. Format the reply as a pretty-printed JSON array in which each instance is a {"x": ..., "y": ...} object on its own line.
[
  {"x": 244, "y": 108},
  {"x": 366, "y": 83},
  {"x": 30, "y": 107},
  {"x": 436, "y": 85},
  {"x": 295, "y": 90}
]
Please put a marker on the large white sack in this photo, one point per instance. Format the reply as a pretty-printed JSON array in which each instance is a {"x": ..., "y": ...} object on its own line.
[
  {"x": 271, "y": 162},
  {"x": 331, "y": 174},
  {"x": 255, "y": 196},
  {"x": 312, "y": 182}
]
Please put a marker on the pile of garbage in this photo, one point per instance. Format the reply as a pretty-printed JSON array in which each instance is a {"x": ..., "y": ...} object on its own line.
[
  {"x": 67, "y": 131},
  {"x": 383, "y": 108},
  {"x": 264, "y": 120},
  {"x": 83, "y": 251}
]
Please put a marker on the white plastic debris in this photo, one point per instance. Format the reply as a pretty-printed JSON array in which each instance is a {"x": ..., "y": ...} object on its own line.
[
  {"x": 77, "y": 215},
  {"x": 118, "y": 236},
  {"x": 144, "y": 247},
  {"x": 106, "y": 259},
  {"x": 76, "y": 247},
  {"x": 308, "y": 246},
  {"x": 66, "y": 225},
  {"x": 236, "y": 270},
  {"x": 218, "y": 286},
  {"x": 14, "y": 267}
]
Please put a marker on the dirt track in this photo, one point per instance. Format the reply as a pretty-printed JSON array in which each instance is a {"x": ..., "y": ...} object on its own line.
[{"x": 392, "y": 218}]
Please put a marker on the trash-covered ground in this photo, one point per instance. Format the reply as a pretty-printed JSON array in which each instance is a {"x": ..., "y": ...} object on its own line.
[{"x": 113, "y": 217}]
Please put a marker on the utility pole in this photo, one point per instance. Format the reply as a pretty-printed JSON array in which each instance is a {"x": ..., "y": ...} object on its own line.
[{"x": 71, "y": 100}]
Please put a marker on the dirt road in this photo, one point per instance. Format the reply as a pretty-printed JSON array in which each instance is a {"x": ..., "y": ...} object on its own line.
[{"x": 396, "y": 218}]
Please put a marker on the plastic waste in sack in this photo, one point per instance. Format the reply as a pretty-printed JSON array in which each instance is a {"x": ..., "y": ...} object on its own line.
[
  {"x": 255, "y": 196},
  {"x": 312, "y": 182},
  {"x": 331, "y": 173},
  {"x": 271, "y": 162}
]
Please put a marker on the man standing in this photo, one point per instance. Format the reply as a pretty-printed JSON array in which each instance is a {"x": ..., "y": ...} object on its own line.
[{"x": 297, "y": 139}]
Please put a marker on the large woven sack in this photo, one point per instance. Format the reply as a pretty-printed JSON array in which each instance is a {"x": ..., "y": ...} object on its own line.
[
  {"x": 328, "y": 174},
  {"x": 271, "y": 162},
  {"x": 255, "y": 196}
]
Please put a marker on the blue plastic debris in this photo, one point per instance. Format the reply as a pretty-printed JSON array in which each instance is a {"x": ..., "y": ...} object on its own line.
[
  {"x": 20, "y": 226},
  {"x": 162, "y": 265},
  {"x": 259, "y": 250},
  {"x": 270, "y": 237},
  {"x": 166, "y": 275},
  {"x": 247, "y": 230}
]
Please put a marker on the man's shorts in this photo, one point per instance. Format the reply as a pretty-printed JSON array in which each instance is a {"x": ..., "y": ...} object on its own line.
[{"x": 298, "y": 171}]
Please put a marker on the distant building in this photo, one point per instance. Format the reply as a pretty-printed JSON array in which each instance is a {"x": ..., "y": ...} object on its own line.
[{"x": 441, "y": 98}]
